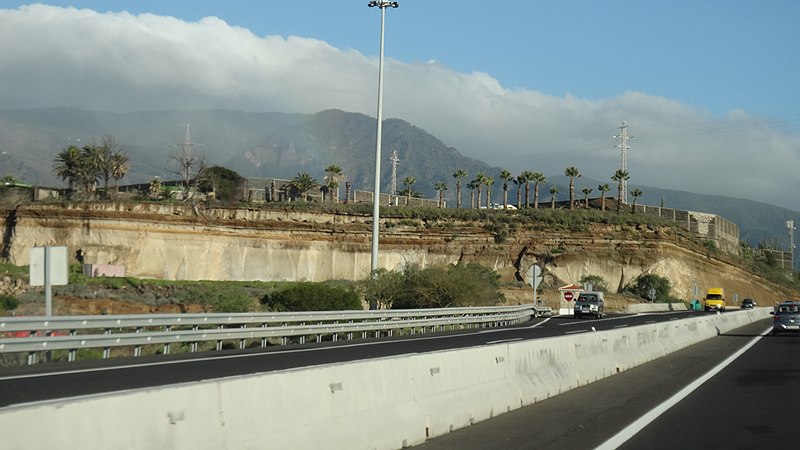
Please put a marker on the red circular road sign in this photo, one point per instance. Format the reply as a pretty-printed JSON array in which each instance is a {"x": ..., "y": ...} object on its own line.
[{"x": 568, "y": 296}]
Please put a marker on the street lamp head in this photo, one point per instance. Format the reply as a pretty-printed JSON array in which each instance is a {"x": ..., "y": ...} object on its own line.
[{"x": 383, "y": 4}]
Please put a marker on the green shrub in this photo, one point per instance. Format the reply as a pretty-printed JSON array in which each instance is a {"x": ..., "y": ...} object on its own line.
[
  {"x": 643, "y": 283},
  {"x": 8, "y": 303},
  {"x": 437, "y": 287},
  {"x": 597, "y": 282},
  {"x": 308, "y": 296}
]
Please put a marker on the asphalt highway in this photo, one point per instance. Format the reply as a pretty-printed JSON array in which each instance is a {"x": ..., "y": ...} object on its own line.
[
  {"x": 64, "y": 380},
  {"x": 685, "y": 400}
]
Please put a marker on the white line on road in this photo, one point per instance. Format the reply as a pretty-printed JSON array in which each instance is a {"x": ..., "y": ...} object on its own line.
[
  {"x": 503, "y": 340},
  {"x": 637, "y": 426}
]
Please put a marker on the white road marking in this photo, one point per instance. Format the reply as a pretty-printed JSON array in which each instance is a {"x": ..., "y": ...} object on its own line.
[
  {"x": 637, "y": 426},
  {"x": 503, "y": 340}
]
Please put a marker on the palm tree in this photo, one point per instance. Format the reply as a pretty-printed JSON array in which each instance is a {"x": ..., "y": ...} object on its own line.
[
  {"x": 527, "y": 175},
  {"x": 572, "y": 172},
  {"x": 603, "y": 188},
  {"x": 333, "y": 174},
  {"x": 108, "y": 149},
  {"x": 488, "y": 181},
  {"x": 505, "y": 175},
  {"x": 479, "y": 180},
  {"x": 620, "y": 176},
  {"x": 586, "y": 192},
  {"x": 553, "y": 192},
  {"x": 408, "y": 182},
  {"x": 459, "y": 175},
  {"x": 636, "y": 193},
  {"x": 67, "y": 164},
  {"x": 303, "y": 183},
  {"x": 92, "y": 167},
  {"x": 472, "y": 185},
  {"x": 537, "y": 178},
  {"x": 119, "y": 168},
  {"x": 440, "y": 187},
  {"x": 520, "y": 181}
]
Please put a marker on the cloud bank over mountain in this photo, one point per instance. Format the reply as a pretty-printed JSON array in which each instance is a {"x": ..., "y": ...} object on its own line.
[{"x": 123, "y": 62}]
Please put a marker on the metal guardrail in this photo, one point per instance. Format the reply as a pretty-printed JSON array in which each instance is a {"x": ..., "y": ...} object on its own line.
[{"x": 34, "y": 335}]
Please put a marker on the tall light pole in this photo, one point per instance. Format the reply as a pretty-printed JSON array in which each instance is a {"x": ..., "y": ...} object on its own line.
[{"x": 377, "y": 192}]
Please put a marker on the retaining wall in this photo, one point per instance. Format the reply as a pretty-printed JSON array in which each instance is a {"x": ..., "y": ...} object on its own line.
[{"x": 385, "y": 403}]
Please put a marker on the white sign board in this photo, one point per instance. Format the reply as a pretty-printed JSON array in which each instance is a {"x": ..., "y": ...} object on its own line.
[{"x": 56, "y": 261}]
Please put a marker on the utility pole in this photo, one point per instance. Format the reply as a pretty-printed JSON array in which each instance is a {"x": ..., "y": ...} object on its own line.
[
  {"x": 623, "y": 145},
  {"x": 790, "y": 228},
  {"x": 393, "y": 192}
]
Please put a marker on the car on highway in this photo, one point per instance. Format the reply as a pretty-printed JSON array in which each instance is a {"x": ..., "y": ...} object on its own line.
[
  {"x": 589, "y": 304},
  {"x": 748, "y": 303},
  {"x": 786, "y": 317}
]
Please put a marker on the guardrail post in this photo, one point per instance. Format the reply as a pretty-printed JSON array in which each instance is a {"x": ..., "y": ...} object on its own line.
[
  {"x": 106, "y": 350},
  {"x": 137, "y": 350},
  {"x": 72, "y": 354}
]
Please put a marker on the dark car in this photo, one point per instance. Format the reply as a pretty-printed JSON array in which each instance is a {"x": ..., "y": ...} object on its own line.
[
  {"x": 589, "y": 304},
  {"x": 786, "y": 317},
  {"x": 748, "y": 303}
]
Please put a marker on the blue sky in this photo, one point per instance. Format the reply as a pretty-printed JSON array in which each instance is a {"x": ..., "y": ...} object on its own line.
[
  {"x": 717, "y": 55},
  {"x": 541, "y": 84}
]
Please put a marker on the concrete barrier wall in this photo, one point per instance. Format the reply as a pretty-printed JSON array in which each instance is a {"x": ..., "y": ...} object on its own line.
[
  {"x": 654, "y": 307},
  {"x": 386, "y": 403}
]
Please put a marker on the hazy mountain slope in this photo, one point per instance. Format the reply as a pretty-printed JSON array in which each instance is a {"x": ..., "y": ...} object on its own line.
[
  {"x": 758, "y": 222},
  {"x": 281, "y": 145}
]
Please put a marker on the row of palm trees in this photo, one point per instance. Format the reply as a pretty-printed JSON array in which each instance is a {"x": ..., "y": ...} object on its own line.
[
  {"x": 303, "y": 183},
  {"x": 523, "y": 182},
  {"x": 84, "y": 167}
]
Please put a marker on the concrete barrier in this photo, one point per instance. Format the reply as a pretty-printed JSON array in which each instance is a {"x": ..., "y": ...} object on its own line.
[
  {"x": 654, "y": 307},
  {"x": 386, "y": 403}
]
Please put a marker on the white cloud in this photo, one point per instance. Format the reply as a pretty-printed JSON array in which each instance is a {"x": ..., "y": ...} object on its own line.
[{"x": 124, "y": 62}]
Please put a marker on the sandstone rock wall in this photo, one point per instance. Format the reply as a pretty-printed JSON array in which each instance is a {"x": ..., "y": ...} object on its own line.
[{"x": 179, "y": 242}]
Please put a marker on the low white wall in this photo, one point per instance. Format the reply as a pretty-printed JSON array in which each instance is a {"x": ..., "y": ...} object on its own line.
[
  {"x": 386, "y": 403},
  {"x": 654, "y": 307}
]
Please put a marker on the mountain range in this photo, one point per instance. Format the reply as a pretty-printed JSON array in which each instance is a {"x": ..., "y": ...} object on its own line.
[{"x": 281, "y": 145}]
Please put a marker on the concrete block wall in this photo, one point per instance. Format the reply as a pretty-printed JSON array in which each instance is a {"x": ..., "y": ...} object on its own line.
[{"x": 386, "y": 403}]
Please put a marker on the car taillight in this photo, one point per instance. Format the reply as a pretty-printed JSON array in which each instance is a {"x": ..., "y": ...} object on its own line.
[{"x": 776, "y": 317}]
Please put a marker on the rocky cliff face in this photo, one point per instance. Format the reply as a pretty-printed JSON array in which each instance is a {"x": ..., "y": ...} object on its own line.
[{"x": 178, "y": 242}]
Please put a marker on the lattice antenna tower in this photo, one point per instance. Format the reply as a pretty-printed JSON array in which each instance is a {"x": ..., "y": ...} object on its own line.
[
  {"x": 623, "y": 146},
  {"x": 186, "y": 145},
  {"x": 186, "y": 152},
  {"x": 393, "y": 189}
]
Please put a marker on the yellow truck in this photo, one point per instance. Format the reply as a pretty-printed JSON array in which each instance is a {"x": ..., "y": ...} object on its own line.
[{"x": 715, "y": 299}]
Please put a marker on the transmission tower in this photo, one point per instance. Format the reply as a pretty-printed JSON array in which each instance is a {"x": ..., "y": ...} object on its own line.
[
  {"x": 394, "y": 160},
  {"x": 623, "y": 145},
  {"x": 185, "y": 161},
  {"x": 186, "y": 145}
]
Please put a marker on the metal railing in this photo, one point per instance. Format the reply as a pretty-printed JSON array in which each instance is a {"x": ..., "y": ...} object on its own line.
[{"x": 43, "y": 335}]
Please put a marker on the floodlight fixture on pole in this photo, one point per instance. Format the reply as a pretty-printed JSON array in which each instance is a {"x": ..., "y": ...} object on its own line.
[{"x": 377, "y": 191}]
